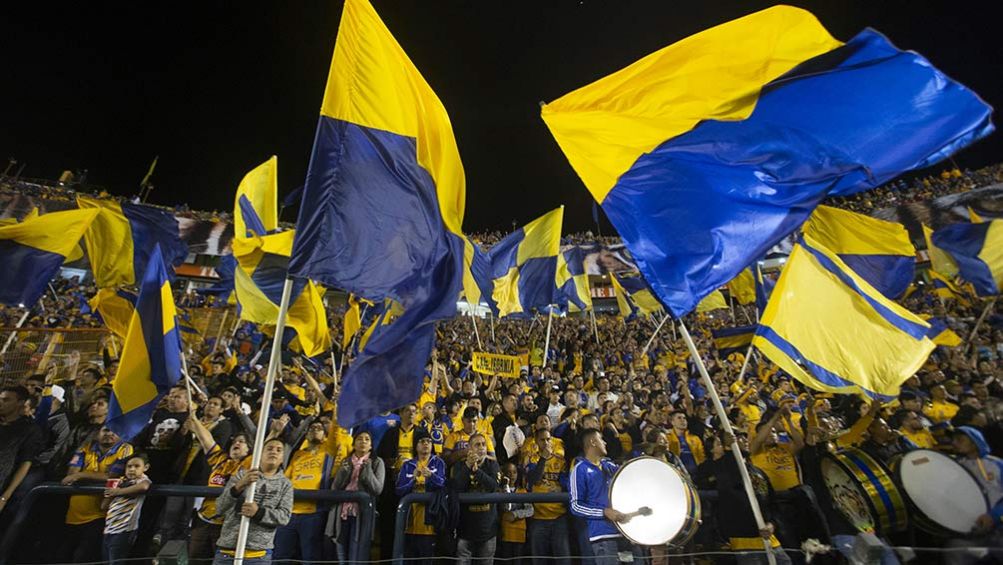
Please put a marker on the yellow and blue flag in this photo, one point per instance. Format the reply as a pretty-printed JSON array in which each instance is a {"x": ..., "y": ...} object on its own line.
[
  {"x": 743, "y": 287},
  {"x": 764, "y": 287},
  {"x": 829, "y": 328},
  {"x": 150, "y": 363},
  {"x": 710, "y": 151},
  {"x": 520, "y": 271},
  {"x": 940, "y": 260},
  {"x": 121, "y": 240},
  {"x": 945, "y": 288},
  {"x": 573, "y": 281},
  {"x": 223, "y": 288},
  {"x": 382, "y": 209},
  {"x": 879, "y": 251},
  {"x": 977, "y": 249},
  {"x": 633, "y": 296},
  {"x": 32, "y": 251},
  {"x": 733, "y": 340},
  {"x": 115, "y": 307},
  {"x": 711, "y": 302},
  {"x": 262, "y": 255}
]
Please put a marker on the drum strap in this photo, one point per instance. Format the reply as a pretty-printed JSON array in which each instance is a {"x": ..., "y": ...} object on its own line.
[{"x": 982, "y": 469}]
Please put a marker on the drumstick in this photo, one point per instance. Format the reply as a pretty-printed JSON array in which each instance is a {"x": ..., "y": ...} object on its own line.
[{"x": 642, "y": 511}]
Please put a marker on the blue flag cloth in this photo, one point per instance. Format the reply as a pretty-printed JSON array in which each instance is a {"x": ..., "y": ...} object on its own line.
[
  {"x": 382, "y": 209},
  {"x": 707, "y": 153},
  {"x": 151, "y": 355},
  {"x": 978, "y": 251},
  {"x": 224, "y": 286}
]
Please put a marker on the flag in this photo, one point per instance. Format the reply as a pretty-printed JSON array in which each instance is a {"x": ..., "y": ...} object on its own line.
[
  {"x": 573, "y": 281},
  {"x": 149, "y": 172},
  {"x": 829, "y": 328},
  {"x": 223, "y": 288},
  {"x": 150, "y": 363},
  {"x": 710, "y": 151},
  {"x": 941, "y": 334},
  {"x": 121, "y": 240},
  {"x": 733, "y": 340},
  {"x": 743, "y": 287},
  {"x": 946, "y": 288},
  {"x": 262, "y": 255},
  {"x": 383, "y": 208},
  {"x": 522, "y": 268},
  {"x": 977, "y": 249},
  {"x": 940, "y": 260},
  {"x": 974, "y": 216},
  {"x": 76, "y": 254},
  {"x": 713, "y": 301},
  {"x": 633, "y": 296},
  {"x": 764, "y": 288},
  {"x": 32, "y": 251},
  {"x": 115, "y": 306},
  {"x": 879, "y": 251},
  {"x": 352, "y": 321}
]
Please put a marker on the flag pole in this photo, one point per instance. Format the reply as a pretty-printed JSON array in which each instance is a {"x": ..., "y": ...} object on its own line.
[
  {"x": 473, "y": 321},
  {"x": 334, "y": 369},
  {"x": 13, "y": 334},
  {"x": 546, "y": 342},
  {"x": 219, "y": 334},
  {"x": 652, "y": 338},
  {"x": 735, "y": 449},
  {"x": 595, "y": 328},
  {"x": 189, "y": 383},
  {"x": 274, "y": 362},
  {"x": 978, "y": 323},
  {"x": 491, "y": 320},
  {"x": 745, "y": 363}
]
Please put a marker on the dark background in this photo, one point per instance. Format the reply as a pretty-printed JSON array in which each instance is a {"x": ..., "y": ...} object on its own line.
[{"x": 216, "y": 89}]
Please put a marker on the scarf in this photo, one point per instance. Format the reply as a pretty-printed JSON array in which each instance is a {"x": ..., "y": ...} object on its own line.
[{"x": 352, "y": 508}]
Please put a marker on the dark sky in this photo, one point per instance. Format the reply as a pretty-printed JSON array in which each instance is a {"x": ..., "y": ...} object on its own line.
[{"x": 215, "y": 88}]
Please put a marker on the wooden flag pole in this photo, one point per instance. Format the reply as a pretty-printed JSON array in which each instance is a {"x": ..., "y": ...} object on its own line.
[
  {"x": 735, "y": 449},
  {"x": 13, "y": 334},
  {"x": 473, "y": 321},
  {"x": 978, "y": 323},
  {"x": 491, "y": 320},
  {"x": 219, "y": 334},
  {"x": 546, "y": 342},
  {"x": 652, "y": 338},
  {"x": 274, "y": 363},
  {"x": 595, "y": 328}
]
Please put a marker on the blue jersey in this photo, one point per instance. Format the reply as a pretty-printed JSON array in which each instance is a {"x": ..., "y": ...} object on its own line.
[{"x": 589, "y": 486}]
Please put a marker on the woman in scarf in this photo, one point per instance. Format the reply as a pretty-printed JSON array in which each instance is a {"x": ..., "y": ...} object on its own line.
[{"x": 359, "y": 471}]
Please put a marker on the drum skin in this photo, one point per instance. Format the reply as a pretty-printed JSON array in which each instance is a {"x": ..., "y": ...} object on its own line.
[
  {"x": 667, "y": 491},
  {"x": 944, "y": 497},
  {"x": 863, "y": 490}
]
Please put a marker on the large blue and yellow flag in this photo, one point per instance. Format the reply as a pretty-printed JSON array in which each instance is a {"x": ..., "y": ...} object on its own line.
[
  {"x": 32, "y": 251},
  {"x": 115, "y": 307},
  {"x": 150, "y": 363},
  {"x": 262, "y": 255},
  {"x": 521, "y": 273},
  {"x": 573, "y": 289},
  {"x": 121, "y": 240},
  {"x": 878, "y": 251},
  {"x": 710, "y": 151},
  {"x": 382, "y": 208},
  {"x": 829, "y": 328},
  {"x": 940, "y": 260},
  {"x": 977, "y": 249}
]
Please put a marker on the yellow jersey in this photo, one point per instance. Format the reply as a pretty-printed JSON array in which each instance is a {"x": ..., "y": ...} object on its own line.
[
  {"x": 780, "y": 466},
  {"x": 923, "y": 438},
  {"x": 514, "y": 531},
  {"x": 940, "y": 411},
  {"x": 309, "y": 469},
  {"x": 86, "y": 508},
  {"x": 221, "y": 469},
  {"x": 549, "y": 482},
  {"x": 460, "y": 439}
]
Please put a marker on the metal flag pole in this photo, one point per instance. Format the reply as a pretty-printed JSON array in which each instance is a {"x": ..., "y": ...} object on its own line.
[
  {"x": 735, "y": 449},
  {"x": 13, "y": 334},
  {"x": 274, "y": 362},
  {"x": 473, "y": 321},
  {"x": 652, "y": 338},
  {"x": 546, "y": 342}
]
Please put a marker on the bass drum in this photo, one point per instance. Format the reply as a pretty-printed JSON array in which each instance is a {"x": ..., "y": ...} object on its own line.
[
  {"x": 944, "y": 496},
  {"x": 863, "y": 491},
  {"x": 667, "y": 491}
]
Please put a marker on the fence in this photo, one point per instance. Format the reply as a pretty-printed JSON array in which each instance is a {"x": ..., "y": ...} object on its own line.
[
  {"x": 367, "y": 509},
  {"x": 36, "y": 350}
]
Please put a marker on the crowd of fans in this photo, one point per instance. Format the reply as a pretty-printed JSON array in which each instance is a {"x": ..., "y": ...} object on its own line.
[{"x": 596, "y": 392}]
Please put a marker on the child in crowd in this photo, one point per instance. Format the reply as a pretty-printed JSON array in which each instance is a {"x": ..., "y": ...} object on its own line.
[
  {"x": 123, "y": 500},
  {"x": 513, "y": 517}
]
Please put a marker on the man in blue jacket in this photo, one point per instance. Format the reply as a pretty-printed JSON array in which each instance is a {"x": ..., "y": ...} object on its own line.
[
  {"x": 974, "y": 455},
  {"x": 589, "y": 485}
]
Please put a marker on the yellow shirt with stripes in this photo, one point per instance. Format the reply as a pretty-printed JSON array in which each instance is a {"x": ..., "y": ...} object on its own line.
[
  {"x": 306, "y": 472},
  {"x": 221, "y": 468},
  {"x": 85, "y": 508}
]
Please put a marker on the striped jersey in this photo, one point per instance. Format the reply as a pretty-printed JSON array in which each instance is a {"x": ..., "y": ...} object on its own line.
[{"x": 123, "y": 511}]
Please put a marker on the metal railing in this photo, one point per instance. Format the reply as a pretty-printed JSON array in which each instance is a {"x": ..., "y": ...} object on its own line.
[{"x": 367, "y": 509}]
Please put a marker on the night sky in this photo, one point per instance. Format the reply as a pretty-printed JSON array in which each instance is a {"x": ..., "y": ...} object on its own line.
[{"x": 216, "y": 89}]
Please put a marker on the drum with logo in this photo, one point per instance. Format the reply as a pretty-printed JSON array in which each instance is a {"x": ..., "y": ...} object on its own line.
[
  {"x": 862, "y": 489},
  {"x": 663, "y": 502},
  {"x": 945, "y": 498}
]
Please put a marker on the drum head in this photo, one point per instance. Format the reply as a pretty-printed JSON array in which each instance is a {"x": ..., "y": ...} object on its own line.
[
  {"x": 847, "y": 496},
  {"x": 646, "y": 481},
  {"x": 944, "y": 491}
]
